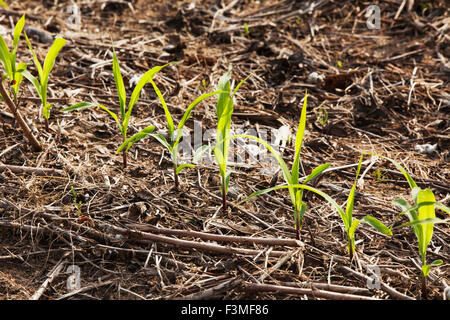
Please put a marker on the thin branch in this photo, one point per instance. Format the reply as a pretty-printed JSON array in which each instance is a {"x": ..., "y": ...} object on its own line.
[
  {"x": 313, "y": 292},
  {"x": 36, "y": 146}
]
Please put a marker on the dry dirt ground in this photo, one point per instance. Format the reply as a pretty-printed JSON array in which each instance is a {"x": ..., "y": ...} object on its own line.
[{"x": 133, "y": 236}]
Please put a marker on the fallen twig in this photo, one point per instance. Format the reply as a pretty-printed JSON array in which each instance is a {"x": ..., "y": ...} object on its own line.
[
  {"x": 149, "y": 237},
  {"x": 53, "y": 274},
  {"x": 31, "y": 170},
  {"x": 214, "y": 291},
  {"x": 316, "y": 293},
  {"x": 216, "y": 237},
  {"x": 36, "y": 146}
]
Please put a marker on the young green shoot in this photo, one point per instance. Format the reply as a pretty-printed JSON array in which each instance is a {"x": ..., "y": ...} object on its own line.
[
  {"x": 224, "y": 110},
  {"x": 123, "y": 119},
  {"x": 13, "y": 70},
  {"x": 246, "y": 31},
  {"x": 350, "y": 223},
  {"x": 422, "y": 218},
  {"x": 292, "y": 177},
  {"x": 41, "y": 84},
  {"x": 175, "y": 135},
  {"x": 77, "y": 204}
]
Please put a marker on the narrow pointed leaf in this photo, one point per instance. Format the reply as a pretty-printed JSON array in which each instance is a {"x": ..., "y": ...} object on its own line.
[
  {"x": 52, "y": 54},
  {"x": 437, "y": 263},
  {"x": 188, "y": 111},
  {"x": 160, "y": 138},
  {"x": 317, "y": 171},
  {"x": 351, "y": 196},
  {"x": 442, "y": 207},
  {"x": 35, "y": 59},
  {"x": 374, "y": 222},
  {"x": 135, "y": 138},
  {"x": 33, "y": 80},
  {"x": 120, "y": 87},
  {"x": 426, "y": 212},
  {"x": 223, "y": 100},
  {"x": 17, "y": 31},
  {"x": 426, "y": 221},
  {"x": 182, "y": 166},
  {"x": 5, "y": 57},
  {"x": 299, "y": 141}
]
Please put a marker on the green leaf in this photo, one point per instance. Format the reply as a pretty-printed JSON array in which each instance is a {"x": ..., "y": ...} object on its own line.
[
  {"x": 188, "y": 111},
  {"x": 426, "y": 212},
  {"x": 182, "y": 166},
  {"x": 18, "y": 77},
  {"x": 424, "y": 221},
  {"x": 301, "y": 212},
  {"x": 227, "y": 181},
  {"x": 407, "y": 209},
  {"x": 17, "y": 31},
  {"x": 160, "y": 138},
  {"x": 351, "y": 196},
  {"x": 34, "y": 81},
  {"x": 135, "y": 138},
  {"x": 352, "y": 229},
  {"x": 5, "y": 57},
  {"x": 46, "y": 110},
  {"x": 120, "y": 87},
  {"x": 298, "y": 142},
  {"x": 437, "y": 263},
  {"x": 317, "y": 171},
  {"x": 351, "y": 234},
  {"x": 240, "y": 84},
  {"x": 414, "y": 193},
  {"x": 3, "y": 4},
  {"x": 442, "y": 207},
  {"x": 49, "y": 62},
  {"x": 35, "y": 59},
  {"x": 146, "y": 78},
  {"x": 375, "y": 223},
  {"x": 298, "y": 201},
  {"x": 425, "y": 270},
  {"x": 223, "y": 100}
]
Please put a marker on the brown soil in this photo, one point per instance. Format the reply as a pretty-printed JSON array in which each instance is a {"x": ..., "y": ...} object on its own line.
[{"x": 385, "y": 91}]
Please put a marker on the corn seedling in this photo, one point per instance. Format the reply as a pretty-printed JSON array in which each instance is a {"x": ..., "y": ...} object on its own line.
[
  {"x": 41, "y": 85},
  {"x": 246, "y": 31},
  {"x": 224, "y": 110},
  {"x": 76, "y": 203},
  {"x": 125, "y": 113},
  {"x": 292, "y": 177},
  {"x": 174, "y": 135},
  {"x": 350, "y": 223},
  {"x": 422, "y": 218},
  {"x": 12, "y": 69}
]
